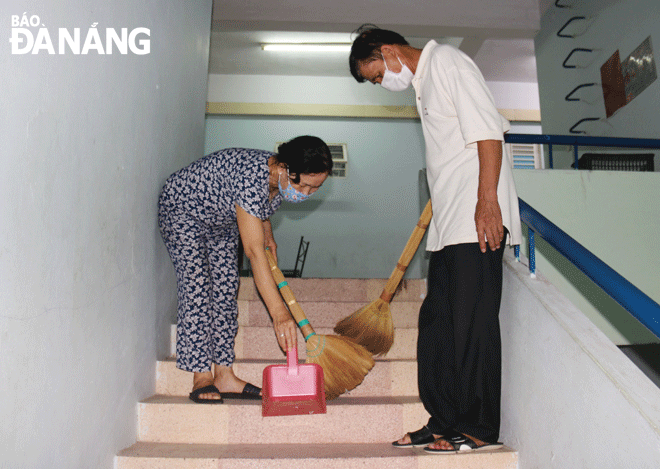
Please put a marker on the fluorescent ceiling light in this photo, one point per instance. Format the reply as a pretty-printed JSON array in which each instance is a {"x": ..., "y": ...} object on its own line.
[{"x": 307, "y": 47}]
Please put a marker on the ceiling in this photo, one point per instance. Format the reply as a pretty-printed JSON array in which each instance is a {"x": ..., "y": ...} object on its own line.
[{"x": 499, "y": 36}]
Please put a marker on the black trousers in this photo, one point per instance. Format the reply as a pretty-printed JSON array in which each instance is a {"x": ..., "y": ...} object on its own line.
[{"x": 459, "y": 347}]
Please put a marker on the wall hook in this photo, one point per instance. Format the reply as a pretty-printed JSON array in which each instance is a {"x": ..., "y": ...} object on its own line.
[
  {"x": 575, "y": 18},
  {"x": 577, "y": 49},
  {"x": 568, "y": 96},
  {"x": 573, "y": 131}
]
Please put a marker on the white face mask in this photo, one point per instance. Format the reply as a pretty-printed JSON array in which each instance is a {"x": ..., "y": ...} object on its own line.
[{"x": 396, "y": 81}]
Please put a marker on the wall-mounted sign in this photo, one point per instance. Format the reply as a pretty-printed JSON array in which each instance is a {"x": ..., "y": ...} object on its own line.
[
  {"x": 639, "y": 70},
  {"x": 624, "y": 81},
  {"x": 614, "y": 90}
]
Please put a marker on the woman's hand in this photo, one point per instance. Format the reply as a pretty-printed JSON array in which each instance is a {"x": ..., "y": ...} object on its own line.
[
  {"x": 253, "y": 234},
  {"x": 285, "y": 331}
]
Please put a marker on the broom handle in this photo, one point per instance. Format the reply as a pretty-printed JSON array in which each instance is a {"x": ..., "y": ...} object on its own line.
[
  {"x": 407, "y": 254},
  {"x": 289, "y": 299}
]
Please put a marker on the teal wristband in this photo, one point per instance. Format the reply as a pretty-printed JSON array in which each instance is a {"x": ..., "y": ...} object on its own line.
[
  {"x": 281, "y": 285},
  {"x": 307, "y": 338},
  {"x": 302, "y": 323}
]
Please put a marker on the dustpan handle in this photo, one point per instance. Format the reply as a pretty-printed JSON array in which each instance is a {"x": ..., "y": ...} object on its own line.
[
  {"x": 407, "y": 254},
  {"x": 292, "y": 361}
]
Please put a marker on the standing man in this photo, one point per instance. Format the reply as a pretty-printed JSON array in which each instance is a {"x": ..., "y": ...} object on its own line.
[{"x": 475, "y": 210}]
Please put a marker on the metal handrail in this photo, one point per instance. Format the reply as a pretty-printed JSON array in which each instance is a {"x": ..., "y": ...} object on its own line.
[
  {"x": 575, "y": 141},
  {"x": 583, "y": 140},
  {"x": 636, "y": 302}
]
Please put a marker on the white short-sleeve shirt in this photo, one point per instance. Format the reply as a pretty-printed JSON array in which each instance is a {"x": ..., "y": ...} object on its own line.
[{"x": 457, "y": 110}]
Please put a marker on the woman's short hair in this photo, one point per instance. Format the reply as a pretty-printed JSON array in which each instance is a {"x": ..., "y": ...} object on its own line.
[
  {"x": 305, "y": 155},
  {"x": 367, "y": 44}
]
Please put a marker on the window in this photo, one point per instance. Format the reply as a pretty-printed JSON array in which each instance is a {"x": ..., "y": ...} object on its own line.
[
  {"x": 526, "y": 155},
  {"x": 339, "y": 159}
]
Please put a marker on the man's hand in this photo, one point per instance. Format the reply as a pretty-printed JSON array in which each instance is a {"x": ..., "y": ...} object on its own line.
[
  {"x": 488, "y": 219},
  {"x": 487, "y": 215}
]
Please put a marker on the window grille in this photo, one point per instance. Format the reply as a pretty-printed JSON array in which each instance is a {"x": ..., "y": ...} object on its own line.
[
  {"x": 616, "y": 161},
  {"x": 339, "y": 159}
]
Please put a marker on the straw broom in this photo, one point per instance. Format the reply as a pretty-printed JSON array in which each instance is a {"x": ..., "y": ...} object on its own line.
[
  {"x": 372, "y": 325},
  {"x": 344, "y": 363}
]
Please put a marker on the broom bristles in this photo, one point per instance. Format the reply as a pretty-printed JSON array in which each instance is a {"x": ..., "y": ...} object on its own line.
[
  {"x": 344, "y": 363},
  {"x": 370, "y": 327}
]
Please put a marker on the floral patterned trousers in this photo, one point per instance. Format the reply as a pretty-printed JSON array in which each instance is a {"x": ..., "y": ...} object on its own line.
[{"x": 207, "y": 286}]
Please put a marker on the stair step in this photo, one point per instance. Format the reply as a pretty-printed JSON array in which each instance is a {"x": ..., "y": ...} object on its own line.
[
  {"x": 259, "y": 343},
  {"x": 175, "y": 433},
  {"x": 339, "y": 290},
  {"x": 176, "y": 419},
  {"x": 327, "y": 313},
  {"x": 294, "y": 456},
  {"x": 387, "y": 377}
]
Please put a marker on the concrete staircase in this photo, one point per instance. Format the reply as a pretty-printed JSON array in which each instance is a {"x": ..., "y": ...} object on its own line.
[{"x": 175, "y": 433}]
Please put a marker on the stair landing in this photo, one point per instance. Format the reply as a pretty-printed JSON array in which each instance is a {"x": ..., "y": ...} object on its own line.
[{"x": 318, "y": 456}]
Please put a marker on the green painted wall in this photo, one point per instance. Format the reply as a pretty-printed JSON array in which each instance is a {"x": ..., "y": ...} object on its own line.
[{"x": 357, "y": 226}]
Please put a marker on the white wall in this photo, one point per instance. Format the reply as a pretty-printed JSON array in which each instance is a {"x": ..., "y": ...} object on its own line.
[
  {"x": 86, "y": 286},
  {"x": 509, "y": 95},
  {"x": 344, "y": 90},
  {"x": 613, "y": 25},
  {"x": 302, "y": 90},
  {"x": 633, "y": 21},
  {"x": 570, "y": 398}
]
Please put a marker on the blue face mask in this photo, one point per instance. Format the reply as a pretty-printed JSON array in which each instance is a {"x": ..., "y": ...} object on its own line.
[{"x": 290, "y": 194}]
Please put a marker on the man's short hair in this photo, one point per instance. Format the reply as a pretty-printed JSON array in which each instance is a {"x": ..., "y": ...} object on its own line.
[{"x": 367, "y": 44}]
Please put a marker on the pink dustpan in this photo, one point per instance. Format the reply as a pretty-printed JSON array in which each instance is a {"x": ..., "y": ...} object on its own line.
[{"x": 293, "y": 389}]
